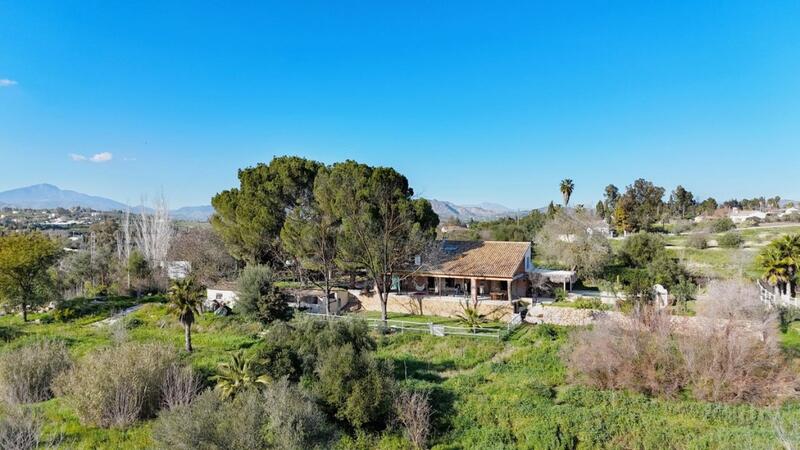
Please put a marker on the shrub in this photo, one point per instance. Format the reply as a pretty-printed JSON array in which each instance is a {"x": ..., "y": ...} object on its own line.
[
  {"x": 20, "y": 429},
  {"x": 730, "y": 240},
  {"x": 356, "y": 385},
  {"x": 640, "y": 356},
  {"x": 698, "y": 241},
  {"x": 180, "y": 387},
  {"x": 259, "y": 297},
  {"x": 281, "y": 417},
  {"x": 665, "y": 270},
  {"x": 729, "y": 354},
  {"x": 640, "y": 249},
  {"x": 295, "y": 421},
  {"x": 559, "y": 294},
  {"x": 682, "y": 226},
  {"x": 722, "y": 225},
  {"x": 413, "y": 410},
  {"x": 118, "y": 385},
  {"x": 27, "y": 373},
  {"x": 739, "y": 360},
  {"x": 589, "y": 303}
]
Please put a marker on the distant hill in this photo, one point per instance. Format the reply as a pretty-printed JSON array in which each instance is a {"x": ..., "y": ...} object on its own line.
[
  {"x": 193, "y": 213},
  {"x": 47, "y": 196},
  {"x": 484, "y": 211}
]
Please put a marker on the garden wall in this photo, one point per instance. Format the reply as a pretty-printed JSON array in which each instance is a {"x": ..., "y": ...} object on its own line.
[
  {"x": 566, "y": 316},
  {"x": 434, "y": 306}
]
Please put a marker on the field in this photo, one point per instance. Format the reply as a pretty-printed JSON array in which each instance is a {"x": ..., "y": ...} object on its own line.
[
  {"x": 487, "y": 393},
  {"x": 718, "y": 262}
]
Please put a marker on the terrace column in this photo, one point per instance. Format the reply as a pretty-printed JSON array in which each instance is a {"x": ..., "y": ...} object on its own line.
[
  {"x": 508, "y": 284},
  {"x": 473, "y": 287}
]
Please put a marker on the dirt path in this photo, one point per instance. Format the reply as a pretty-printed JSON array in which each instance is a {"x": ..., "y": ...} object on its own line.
[{"x": 117, "y": 317}]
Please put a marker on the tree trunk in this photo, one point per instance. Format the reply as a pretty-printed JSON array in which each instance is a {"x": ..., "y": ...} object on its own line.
[
  {"x": 352, "y": 280},
  {"x": 187, "y": 337},
  {"x": 328, "y": 294},
  {"x": 24, "y": 312}
]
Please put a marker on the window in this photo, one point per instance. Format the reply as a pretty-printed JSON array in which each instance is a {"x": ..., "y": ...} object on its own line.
[
  {"x": 219, "y": 296},
  {"x": 418, "y": 260}
]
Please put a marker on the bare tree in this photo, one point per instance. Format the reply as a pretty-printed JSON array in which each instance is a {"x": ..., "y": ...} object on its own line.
[
  {"x": 414, "y": 412},
  {"x": 181, "y": 386},
  {"x": 153, "y": 232}
]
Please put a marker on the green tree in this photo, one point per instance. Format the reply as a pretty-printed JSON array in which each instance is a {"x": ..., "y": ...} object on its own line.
[
  {"x": 611, "y": 195},
  {"x": 383, "y": 228},
  {"x": 25, "y": 262},
  {"x": 259, "y": 297},
  {"x": 249, "y": 218},
  {"x": 310, "y": 234},
  {"x": 600, "y": 209},
  {"x": 641, "y": 205},
  {"x": 566, "y": 187},
  {"x": 569, "y": 241},
  {"x": 681, "y": 202},
  {"x": 185, "y": 297}
]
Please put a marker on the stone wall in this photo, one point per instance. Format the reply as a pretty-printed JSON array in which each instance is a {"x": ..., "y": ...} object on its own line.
[
  {"x": 432, "y": 306},
  {"x": 566, "y": 316}
]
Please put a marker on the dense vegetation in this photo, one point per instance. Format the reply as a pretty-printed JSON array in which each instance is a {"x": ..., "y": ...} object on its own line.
[{"x": 485, "y": 393}]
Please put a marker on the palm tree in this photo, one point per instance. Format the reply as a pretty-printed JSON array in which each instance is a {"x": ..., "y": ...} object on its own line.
[
  {"x": 774, "y": 266},
  {"x": 567, "y": 186},
  {"x": 789, "y": 248},
  {"x": 237, "y": 375},
  {"x": 185, "y": 297}
]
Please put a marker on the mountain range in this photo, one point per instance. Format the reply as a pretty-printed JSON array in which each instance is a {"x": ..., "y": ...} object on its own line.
[
  {"x": 47, "y": 196},
  {"x": 465, "y": 213}
]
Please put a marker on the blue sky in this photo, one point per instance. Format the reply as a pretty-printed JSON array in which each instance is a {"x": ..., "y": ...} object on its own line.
[{"x": 474, "y": 102}]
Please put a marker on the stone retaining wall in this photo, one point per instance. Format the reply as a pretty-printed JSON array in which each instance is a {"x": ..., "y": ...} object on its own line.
[
  {"x": 566, "y": 316},
  {"x": 433, "y": 306}
]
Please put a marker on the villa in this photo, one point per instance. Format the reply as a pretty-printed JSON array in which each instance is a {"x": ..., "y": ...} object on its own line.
[{"x": 494, "y": 274}]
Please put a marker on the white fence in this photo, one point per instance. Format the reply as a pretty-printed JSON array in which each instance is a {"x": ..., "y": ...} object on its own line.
[
  {"x": 402, "y": 326},
  {"x": 769, "y": 296}
]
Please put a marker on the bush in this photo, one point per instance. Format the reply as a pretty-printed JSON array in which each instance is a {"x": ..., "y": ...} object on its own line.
[
  {"x": 259, "y": 297},
  {"x": 730, "y": 240},
  {"x": 641, "y": 356},
  {"x": 559, "y": 294},
  {"x": 20, "y": 429},
  {"x": 295, "y": 421},
  {"x": 729, "y": 354},
  {"x": 665, "y": 270},
  {"x": 356, "y": 385},
  {"x": 640, "y": 249},
  {"x": 27, "y": 373},
  {"x": 282, "y": 417},
  {"x": 180, "y": 387},
  {"x": 590, "y": 303},
  {"x": 118, "y": 385},
  {"x": 722, "y": 225},
  {"x": 698, "y": 241},
  {"x": 413, "y": 409}
]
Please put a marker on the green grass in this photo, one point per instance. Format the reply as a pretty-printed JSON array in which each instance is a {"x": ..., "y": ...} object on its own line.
[
  {"x": 437, "y": 320},
  {"x": 515, "y": 394},
  {"x": 487, "y": 393}
]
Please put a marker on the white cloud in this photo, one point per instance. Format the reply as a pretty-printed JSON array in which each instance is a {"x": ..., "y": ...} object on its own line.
[
  {"x": 101, "y": 157},
  {"x": 5, "y": 82},
  {"x": 96, "y": 158}
]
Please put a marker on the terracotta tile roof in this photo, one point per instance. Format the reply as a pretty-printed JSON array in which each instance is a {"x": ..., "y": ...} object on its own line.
[{"x": 490, "y": 259}]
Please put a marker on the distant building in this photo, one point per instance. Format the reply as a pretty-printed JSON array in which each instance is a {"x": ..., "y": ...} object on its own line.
[
  {"x": 739, "y": 216},
  {"x": 178, "y": 270}
]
